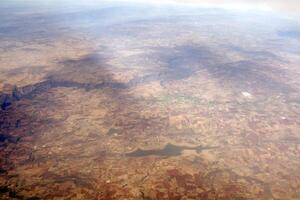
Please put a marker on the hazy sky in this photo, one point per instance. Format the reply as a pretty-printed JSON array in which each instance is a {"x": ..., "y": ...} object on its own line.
[
  {"x": 289, "y": 7},
  {"x": 284, "y": 6}
]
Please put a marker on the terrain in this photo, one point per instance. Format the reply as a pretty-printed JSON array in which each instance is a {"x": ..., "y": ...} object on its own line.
[{"x": 131, "y": 101}]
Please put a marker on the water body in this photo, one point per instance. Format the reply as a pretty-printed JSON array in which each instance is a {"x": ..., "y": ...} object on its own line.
[{"x": 168, "y": 151}]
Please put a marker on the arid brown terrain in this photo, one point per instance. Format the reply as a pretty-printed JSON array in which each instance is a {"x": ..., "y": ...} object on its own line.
[{"x": 124, "y": 101}]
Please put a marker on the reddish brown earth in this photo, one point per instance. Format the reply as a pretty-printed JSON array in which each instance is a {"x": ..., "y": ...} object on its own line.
[{"x": 194, "y": 105}]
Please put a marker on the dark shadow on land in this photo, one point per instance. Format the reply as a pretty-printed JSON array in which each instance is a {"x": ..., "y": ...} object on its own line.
[
  {"x": 178, "y": 64},
  {"x": 184, "y": 61},
  {"x": 251, "y": 76}
]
